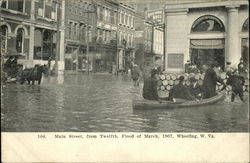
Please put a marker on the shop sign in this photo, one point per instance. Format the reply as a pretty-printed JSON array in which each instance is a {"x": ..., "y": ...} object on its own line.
[{"x": 156, "y": 15}]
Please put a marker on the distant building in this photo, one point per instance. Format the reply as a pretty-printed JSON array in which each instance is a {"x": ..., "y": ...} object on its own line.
[
  {"x": 149, "y": 40},
  {"x": 80, "y": 18},
  {"x": 126, "y": 32},
  {"x": 111, "y": 35},
  {"x": 29, "y": 29},
  {"x": 206, "y": 32}
]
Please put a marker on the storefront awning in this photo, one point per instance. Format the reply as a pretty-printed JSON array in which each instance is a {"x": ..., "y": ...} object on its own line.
[{"x": 207, "y": 44}]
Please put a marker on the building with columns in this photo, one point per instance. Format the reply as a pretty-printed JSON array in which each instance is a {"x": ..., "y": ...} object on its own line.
[
  {"x": 205, "y": 32},
  {"x": 29, "y": 28}
]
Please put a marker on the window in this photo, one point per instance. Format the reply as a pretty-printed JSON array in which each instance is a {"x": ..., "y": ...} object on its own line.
[
  {"x": 77, "y": 32},
  {"x": 208, "y": 24},
  {"x": 115, "y": 17},
  {"x": 89, "y": 34},
  {"x": 3, "y": 37},
  {"x": 38, "y": 44},
  {"x": 4, "y": 4},
  {"x": 245, "y": 27},
  {"x": 101, "y": 14},
  {"x": 17, "y": 5},
  {"x": 112, "y": 17},
  {"x": 126, "y": 19},
  {"x": 122, "y": 18},
  {"x": 19, "y": 40},
  {"x": 83, "y": 34}
]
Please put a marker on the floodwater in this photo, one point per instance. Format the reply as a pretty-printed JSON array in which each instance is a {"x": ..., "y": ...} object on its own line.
[{"x": 103, "y": 103}]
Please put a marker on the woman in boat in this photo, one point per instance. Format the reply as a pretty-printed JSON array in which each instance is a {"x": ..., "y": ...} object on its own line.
[
  {"x": 180, "y": 91},
  {"x": 150, "y": 87},
  {"x": 210, "y": 81}
]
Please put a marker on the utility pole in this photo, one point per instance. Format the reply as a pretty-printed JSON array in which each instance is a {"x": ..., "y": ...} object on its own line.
[
  {"x": 87, "y": 35},
  {"x": 57, "y": 39},
  {"x": 87, "y": 43},
  {"x": 164, "y": 50}
]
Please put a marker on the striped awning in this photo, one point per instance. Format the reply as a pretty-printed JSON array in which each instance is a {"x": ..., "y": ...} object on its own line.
[{"x": 207, "y": 44}]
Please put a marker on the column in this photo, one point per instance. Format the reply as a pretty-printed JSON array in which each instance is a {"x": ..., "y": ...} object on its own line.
[
  {"x": 232, "y": 53},
  {"x": 31, "y": 46},
  {"x": 32, "y": 10}
]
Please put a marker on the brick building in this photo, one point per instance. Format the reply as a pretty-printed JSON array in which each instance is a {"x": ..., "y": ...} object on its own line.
[
  {"x": 126, "y": 32},
  {"x": 29, "y": 28},
  {"x": 80, "y": 17},
  {"x": 110, "y": 25}
]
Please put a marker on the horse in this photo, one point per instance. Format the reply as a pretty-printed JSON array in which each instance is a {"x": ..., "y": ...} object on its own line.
[{"x": 33, "y": 74}]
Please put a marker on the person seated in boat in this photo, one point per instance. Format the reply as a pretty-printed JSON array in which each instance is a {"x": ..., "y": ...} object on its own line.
[
  {"x": 236, "y": 82},
  {"x": 195, "y": 88},
  {"x": 150, "y": 86},
  {"x": 180, "y": 91},
  {"x": 210, "y": 82}
]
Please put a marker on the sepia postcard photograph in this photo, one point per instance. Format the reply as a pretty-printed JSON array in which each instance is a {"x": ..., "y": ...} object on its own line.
[{"x": 125, "y": 67}]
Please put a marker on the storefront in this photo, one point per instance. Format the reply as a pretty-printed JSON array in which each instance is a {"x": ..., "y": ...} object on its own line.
[
  {"x": 204, "y": 33},
  {"x": 104, "y": 58}
]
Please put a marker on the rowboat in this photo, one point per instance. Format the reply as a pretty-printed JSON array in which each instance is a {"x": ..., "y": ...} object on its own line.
[{"x": 153, "y": 104}]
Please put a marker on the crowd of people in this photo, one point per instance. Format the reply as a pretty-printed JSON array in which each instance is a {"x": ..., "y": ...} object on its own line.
[{"x": 195, "y": 91}]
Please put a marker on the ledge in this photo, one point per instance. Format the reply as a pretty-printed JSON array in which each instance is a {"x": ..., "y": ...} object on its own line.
[{"x": 14, "y": 12}]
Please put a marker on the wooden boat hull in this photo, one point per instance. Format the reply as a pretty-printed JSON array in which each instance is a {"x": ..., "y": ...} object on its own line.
[{"x": 152, "y": 104}]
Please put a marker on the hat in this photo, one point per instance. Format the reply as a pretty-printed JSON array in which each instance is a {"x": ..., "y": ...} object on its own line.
[
  {"x": 193, "y": 79},
  {"x": 153, "y": 72},
  {"x": 181, "y": 78}
]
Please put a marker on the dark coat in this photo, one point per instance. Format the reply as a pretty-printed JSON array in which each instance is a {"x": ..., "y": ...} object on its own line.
[
  {"x": 209, "y": 83},
  {"x": 182, "y": 92},
  {"x": 195, "y": 90},
  {"x": 236, "y": 82},
  {"x": 150, "y": 89}
]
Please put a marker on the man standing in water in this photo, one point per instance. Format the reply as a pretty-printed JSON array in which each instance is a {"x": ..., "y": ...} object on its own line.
[
  {"x": 237, "y": 83},
  {"x": 150, "y": 87}
]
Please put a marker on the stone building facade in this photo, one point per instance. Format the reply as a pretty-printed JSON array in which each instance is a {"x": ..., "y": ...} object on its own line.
[
  {"x": 205, "y": 32},
  {"x": 126, "y": 32},
  {"x": 29, "y": 28}
]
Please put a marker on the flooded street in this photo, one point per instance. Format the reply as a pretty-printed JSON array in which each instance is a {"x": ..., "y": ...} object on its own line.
[{"x": 103, "y": 103}]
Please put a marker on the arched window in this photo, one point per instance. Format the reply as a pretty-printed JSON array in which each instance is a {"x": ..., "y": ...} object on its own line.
[
  {"x": 3, "y": 37},
  {"x": 245, "y": 27},
  {"x": 208, "y": 24},
  {"x": 19, "y": 40}
]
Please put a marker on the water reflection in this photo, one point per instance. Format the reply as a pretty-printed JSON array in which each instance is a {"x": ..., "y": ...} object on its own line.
[{"x": 103, "y": 103}]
